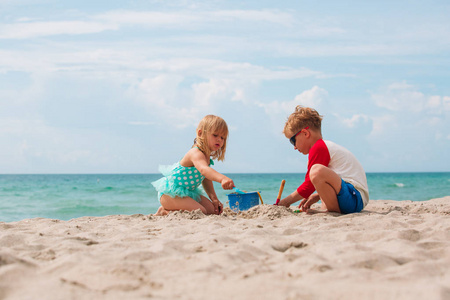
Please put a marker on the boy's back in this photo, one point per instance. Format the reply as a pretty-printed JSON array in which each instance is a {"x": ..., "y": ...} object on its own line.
[
  {"x": 345, "y": 164},
  {"x": 341, "y": 161}
]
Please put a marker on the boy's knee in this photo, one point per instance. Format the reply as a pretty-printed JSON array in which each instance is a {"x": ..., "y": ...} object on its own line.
[{"x": 316, "y": 171}]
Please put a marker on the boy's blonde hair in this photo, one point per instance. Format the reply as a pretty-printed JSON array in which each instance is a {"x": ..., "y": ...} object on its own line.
[
  {"x": 211, "y": 124},
  {"x": 301, "y": 118}
]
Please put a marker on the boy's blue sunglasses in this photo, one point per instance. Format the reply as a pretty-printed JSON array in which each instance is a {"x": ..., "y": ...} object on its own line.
[{"x": 292, "y": 139}]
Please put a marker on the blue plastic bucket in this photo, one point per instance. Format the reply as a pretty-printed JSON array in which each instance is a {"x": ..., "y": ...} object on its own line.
[{"x": 245, "y": 201}]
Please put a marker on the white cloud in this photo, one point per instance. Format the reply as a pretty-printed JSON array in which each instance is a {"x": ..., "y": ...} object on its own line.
[
  {"x": 289, "y": 32},
  {"x": 239, "y": 95},
  {"x": 204, "y": 92},
  {"x": 311, "y": 98},
  {"x": 401, "y": 96},
  {"x": 159, "y": 91},
  {"x": 33, "y": 147},
  {"x": 123, "y": 63},
  {"x": 278, "y": 111},
  {"x": 170, "y": 100},
  {"x": 216, "y": 68},
  {"x": 409, "y": 119},
  {"x": 39, "y": 29},
  {"x": 140, "y": 123},
  {"x": 35, "y": 140},
  {"x": 149, "y": 18},
  {"x": 163, "y": 99},
  {"x": 220, "y": 81},
  {"x": 446, "y": 103},
  {"x": 355, "y": 120},
  {"x": 382, "y": 126},
  {"x": 170, "y": 65},
  {"x": 182, "y": 18},
  {"x": 158, "y": 85},
  {"x": 433, "y": 121},
  {"x": 434, "y": 101},
  {"x": 254, "y": 16}
]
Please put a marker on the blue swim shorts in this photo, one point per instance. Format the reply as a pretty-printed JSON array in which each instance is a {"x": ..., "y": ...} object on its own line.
[{"x": 349, "y": 199}]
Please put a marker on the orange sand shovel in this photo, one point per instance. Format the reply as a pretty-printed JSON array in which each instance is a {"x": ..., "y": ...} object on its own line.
[{"x": 280, "y": 191}]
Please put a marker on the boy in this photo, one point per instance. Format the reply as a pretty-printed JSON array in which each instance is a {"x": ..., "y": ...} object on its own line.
[{"x": 333, "y": 171}]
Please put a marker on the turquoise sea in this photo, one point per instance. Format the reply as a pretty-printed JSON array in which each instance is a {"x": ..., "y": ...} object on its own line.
[{"x": 71, "y": 196}]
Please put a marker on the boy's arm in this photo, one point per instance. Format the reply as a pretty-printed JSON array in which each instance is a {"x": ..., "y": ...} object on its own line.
[
  {"x": 292, "y": 198},
  {"x": 318, "y": 154}
]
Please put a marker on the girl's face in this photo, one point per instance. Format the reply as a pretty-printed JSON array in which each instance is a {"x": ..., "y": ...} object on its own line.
[{"x": 216, "y": 140}]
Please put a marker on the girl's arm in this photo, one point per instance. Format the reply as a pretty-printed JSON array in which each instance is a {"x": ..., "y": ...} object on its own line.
[
  {"x": 199, "y": 160},
  {"x": 209, "y": 189}
]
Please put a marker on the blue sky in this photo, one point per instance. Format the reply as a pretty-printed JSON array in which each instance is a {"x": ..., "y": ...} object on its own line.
[{"x": 119, "y": 86}]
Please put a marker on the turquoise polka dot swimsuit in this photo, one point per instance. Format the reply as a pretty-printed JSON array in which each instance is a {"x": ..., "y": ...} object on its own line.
[{"x": 180, "y": 181}]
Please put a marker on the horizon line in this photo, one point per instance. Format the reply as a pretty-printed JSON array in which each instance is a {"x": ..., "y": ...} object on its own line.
[{"x": 375, "y": 172}]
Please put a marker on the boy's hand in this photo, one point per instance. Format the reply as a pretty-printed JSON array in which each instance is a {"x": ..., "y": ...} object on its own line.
[
  {"x": 306, "y": 203},
  {"x": 227, "y": 183},
  {"x": 303, "y": 206}
]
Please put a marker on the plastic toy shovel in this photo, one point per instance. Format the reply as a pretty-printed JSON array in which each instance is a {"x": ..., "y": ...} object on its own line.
[
  {"x": 280, "y": 191},
  {"x": 238, "y": 190}
]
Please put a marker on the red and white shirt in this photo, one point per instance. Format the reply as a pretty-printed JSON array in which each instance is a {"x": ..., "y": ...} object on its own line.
[{"x": 341, "y": 161}]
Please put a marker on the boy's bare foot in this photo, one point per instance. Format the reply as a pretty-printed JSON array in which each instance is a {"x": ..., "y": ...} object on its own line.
[{"x": 161, "y": 212}]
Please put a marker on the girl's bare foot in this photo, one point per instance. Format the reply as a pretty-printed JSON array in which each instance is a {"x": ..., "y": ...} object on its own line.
[{"x": 161, "y": 212}]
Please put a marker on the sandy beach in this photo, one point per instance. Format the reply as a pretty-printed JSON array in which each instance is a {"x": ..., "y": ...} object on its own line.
[{"x": 391, "y": 250}]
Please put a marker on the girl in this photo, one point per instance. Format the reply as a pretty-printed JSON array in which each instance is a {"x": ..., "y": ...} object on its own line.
[{"x": 179, "y": 188}]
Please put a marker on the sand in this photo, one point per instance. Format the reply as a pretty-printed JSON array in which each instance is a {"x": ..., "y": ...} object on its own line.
[{"x": 391, "y": 250}]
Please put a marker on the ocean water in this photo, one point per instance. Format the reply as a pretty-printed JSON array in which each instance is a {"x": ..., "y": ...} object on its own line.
[{"x": 71, "y": 196}]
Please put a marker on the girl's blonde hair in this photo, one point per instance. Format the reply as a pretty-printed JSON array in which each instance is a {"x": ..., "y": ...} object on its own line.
[
  {"x": 211, "y": 124},
  {"x": 301, "y": 118}
]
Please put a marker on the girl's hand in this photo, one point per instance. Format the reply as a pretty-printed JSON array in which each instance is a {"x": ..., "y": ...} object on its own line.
[
  {"x": 227, "y": 183},
  {"x": 218, "y": 207}
]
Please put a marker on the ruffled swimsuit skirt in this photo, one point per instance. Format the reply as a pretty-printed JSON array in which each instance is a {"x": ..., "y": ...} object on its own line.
[{"x": 179, "y": 181}]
